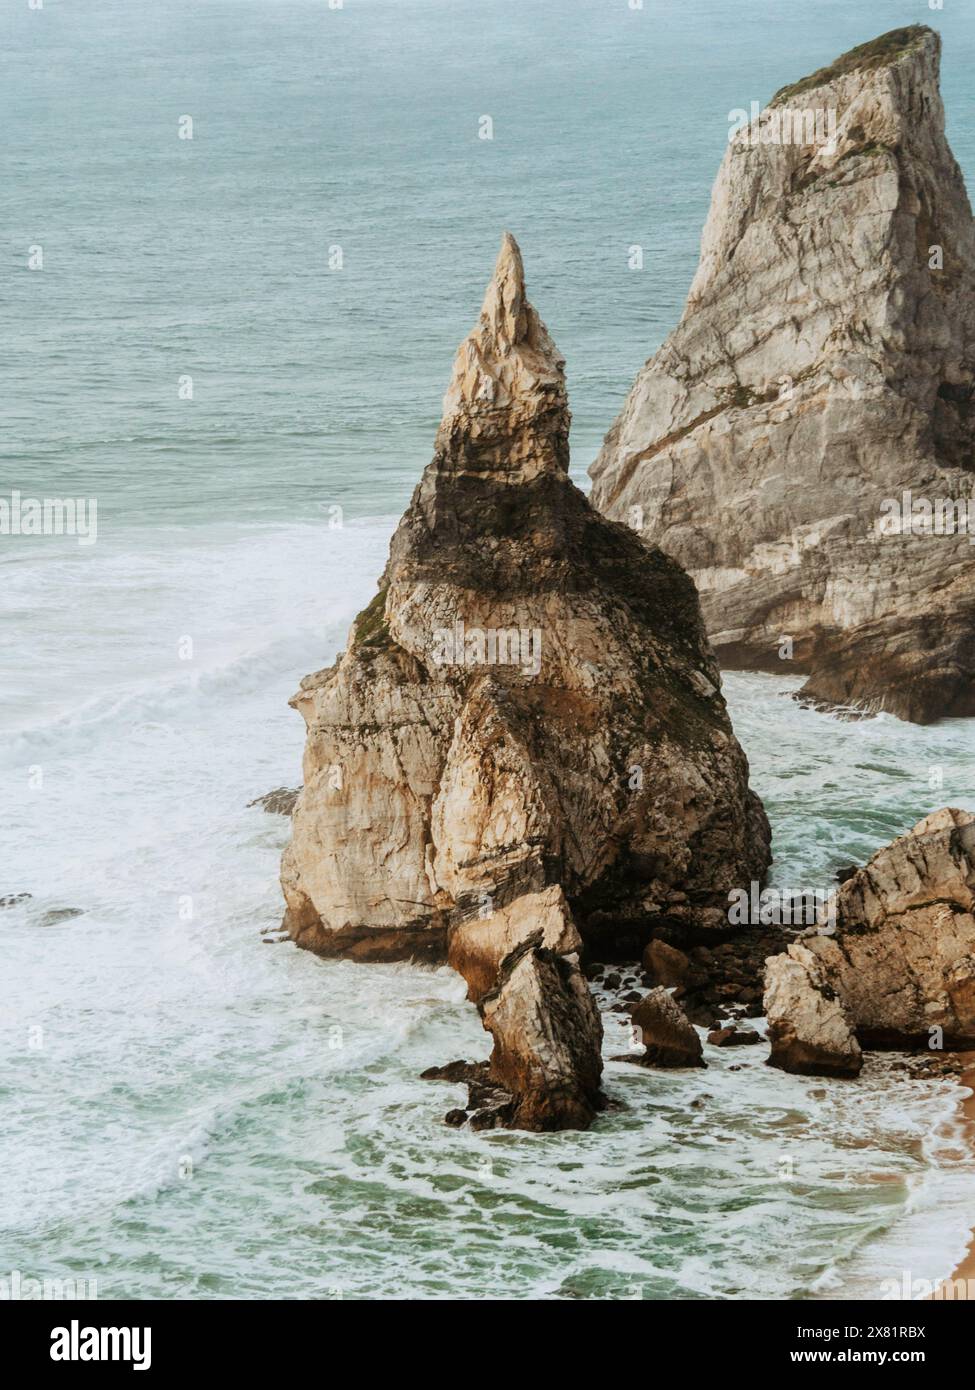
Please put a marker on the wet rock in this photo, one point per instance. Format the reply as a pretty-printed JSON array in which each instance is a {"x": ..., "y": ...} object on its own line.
[
  {"x": 547, "y": 1039},
  {"x": 280, "y": 802},
  {"x": 14, "y": 899},
  {"x": 460, "y": 1072},
  {"x": 809, "y": 1029},
  {"x": 734, "y": 1037},
  {"x": 61, "y": 914},
  {"x": 668, "y": 1036}
]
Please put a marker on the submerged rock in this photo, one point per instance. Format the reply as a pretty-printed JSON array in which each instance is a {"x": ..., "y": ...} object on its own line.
[
  {"x": 669, "y": 1037},
  {"x": 526, "y": 731},
  {"x": 61, "y": 914},
  {"x": 280, "y": 802},
  {"x": 898, "y": 967},
  {"x": 733, "y": 1037},
  {"x": 824, "y": 368},
  {"x": 15, "y": 899}
]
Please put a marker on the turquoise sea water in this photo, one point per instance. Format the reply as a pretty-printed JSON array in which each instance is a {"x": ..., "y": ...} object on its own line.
[{"x": 184, "y": 1110}]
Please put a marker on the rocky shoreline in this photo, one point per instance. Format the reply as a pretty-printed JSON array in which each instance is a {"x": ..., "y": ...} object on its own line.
[
  {"x": 963, "y": 1067},
  {"x": 523, "y": 765}
]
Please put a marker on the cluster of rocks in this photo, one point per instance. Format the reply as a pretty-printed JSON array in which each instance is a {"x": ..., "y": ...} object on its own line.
[
  {"x": 893, "y": 968},
  {"x": 718, "y": 982},
  {"x": 14, "y": 899},
  {"x": 52, "y": 918},
  {"x": 713, "y": 983},
  {"x": 897, "y": 967},
  {"x": 927, "y": 1065},
  {"x": 523, "y": 760}
]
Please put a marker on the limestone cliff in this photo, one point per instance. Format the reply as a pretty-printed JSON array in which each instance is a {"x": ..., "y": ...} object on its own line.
[
  {"x": 824, "y": 367},
  {"x": 897, "y": 965},
  {"x": 525, "y": 738}
]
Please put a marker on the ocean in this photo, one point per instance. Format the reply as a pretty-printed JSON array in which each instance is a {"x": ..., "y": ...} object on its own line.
[{"x": 238, "y": 344}]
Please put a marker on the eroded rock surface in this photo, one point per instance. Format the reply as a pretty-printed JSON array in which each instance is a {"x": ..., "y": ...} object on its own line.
[
  {"x": 899, "y": 966},
  {"x": 824, "y": 366},
  {"x": 526, "y": 732}
]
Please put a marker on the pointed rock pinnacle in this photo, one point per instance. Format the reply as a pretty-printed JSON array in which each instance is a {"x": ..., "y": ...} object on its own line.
[
  {"x": 506, "y": 316},
  {"x": 507, "y": 392}
]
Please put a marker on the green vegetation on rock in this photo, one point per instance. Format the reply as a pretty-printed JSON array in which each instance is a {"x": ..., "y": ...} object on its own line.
[
  {"x": 878, "y": 53},
  {"x": 370, "y": 625}
]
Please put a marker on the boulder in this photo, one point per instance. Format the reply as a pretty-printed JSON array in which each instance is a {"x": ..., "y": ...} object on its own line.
[
  {"x": 808, "y": 1027},
  {"x": 670, "y": 1039},
  {"x": 666, "y": 964},
  {"x": 547, "y": 1038}
]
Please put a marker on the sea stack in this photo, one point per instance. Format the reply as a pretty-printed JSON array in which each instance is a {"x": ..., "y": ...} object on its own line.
[
  {"x": 524, "y": 746},
  {"x": 803, "y": 441},
  {"x": 895, "y": 967}
]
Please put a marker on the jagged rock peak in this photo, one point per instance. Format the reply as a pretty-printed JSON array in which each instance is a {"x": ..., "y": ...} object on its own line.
[
  {"x": 508, "y": 384},
  {"x": 525, "y": 737},
  {"x": 822, "y": 377},
  {"x": 507, "y": 319}
]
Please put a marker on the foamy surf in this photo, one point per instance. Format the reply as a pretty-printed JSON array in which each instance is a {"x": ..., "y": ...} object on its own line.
[{"x": 170, "y": 1073}]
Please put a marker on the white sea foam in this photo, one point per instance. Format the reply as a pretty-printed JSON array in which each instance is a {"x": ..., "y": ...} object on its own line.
[{"x": 207, "y": 1114}]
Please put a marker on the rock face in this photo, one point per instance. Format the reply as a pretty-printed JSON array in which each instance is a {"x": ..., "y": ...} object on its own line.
[
  {"x": 526, "y": 731},
  {"x": 898, "y": 968},
  {"x": 670, "y": 1039},
  {"x": 823, "y": 368},
  {"x": 666, "y": 964}
]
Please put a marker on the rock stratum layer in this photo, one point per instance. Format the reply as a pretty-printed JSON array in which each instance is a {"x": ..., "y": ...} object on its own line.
[
  {"x": 897, "y": 966},
  {"x": 823, "y": 368},
  {"x": 525, "y": 740}
]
